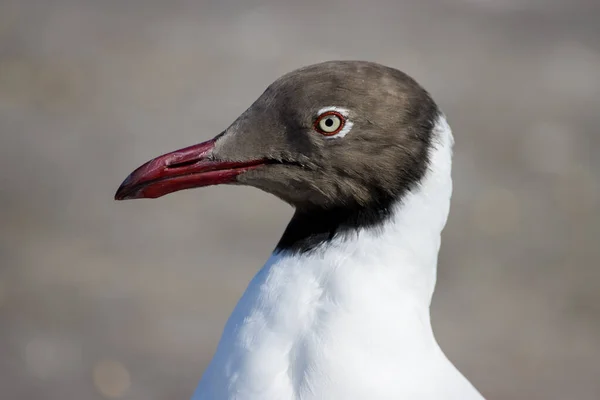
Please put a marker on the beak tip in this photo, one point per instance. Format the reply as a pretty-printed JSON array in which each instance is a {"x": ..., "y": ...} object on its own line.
[
  {"x": 124, "y": 191},
  {"x": 120, "y": 194}
]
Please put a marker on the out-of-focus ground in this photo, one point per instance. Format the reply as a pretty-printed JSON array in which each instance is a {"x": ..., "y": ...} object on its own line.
[{"x": 100, "y": 299}]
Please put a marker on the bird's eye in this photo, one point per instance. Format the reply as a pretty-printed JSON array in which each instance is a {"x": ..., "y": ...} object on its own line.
[{"x": 329, "y": 123}]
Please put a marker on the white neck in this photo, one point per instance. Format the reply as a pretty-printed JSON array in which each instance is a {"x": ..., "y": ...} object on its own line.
[{"x": 314, "y": 323}]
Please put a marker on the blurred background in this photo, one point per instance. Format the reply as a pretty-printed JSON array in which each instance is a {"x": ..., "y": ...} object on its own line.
[{"x": 107, "y": 300}]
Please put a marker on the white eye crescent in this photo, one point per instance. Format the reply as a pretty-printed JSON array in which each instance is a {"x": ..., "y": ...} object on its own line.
[
  {"x": 330, "y": 123},
  {"x": 333, "y": 122}
]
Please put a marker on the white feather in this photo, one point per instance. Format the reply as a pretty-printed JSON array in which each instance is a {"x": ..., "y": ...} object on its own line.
[{"x": 351, "y": 319}]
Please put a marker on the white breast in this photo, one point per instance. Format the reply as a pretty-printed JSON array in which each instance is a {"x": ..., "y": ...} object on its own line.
[{"x": 349, "y": 320}]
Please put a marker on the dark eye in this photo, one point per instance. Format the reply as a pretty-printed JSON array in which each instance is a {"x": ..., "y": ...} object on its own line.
[{"x": 329, "y": 123}]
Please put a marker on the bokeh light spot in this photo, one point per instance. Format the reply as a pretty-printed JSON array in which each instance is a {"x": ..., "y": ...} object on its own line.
[{"x": 111, "y": 378}]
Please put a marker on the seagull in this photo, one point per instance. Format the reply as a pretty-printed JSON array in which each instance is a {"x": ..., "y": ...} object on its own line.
[{"x": 341, "y": 309}]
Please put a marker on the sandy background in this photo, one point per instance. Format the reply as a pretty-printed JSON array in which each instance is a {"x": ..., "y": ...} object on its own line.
[{"x": 100, "y": 299}]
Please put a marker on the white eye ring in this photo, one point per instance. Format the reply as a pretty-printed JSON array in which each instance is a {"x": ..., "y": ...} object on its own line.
[{"x": 330, "y": 123}]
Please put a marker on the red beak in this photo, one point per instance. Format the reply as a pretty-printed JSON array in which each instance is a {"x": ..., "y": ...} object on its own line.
[{"x": 182, "y": 169}]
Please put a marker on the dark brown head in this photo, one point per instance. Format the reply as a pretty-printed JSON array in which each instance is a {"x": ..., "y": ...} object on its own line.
[{"x": 341, "y": 141}]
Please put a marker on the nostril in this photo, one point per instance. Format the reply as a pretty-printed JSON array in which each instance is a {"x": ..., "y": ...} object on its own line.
[{"x": 182, "y": 164}]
